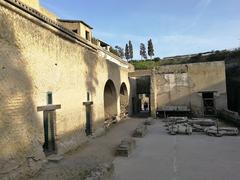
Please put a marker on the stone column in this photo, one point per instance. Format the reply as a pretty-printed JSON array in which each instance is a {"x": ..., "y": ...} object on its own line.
[{"x": 153, "y": 99}]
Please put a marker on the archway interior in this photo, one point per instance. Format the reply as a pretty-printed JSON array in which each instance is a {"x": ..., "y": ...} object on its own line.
[
  {"x": 123, "y": 100},
  {"x": 110, "y": 101}
]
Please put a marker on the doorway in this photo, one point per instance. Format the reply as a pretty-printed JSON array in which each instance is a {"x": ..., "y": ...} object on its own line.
[
  {"x": 208, "y": 104},
  {"x": 143, "y": 105},
  {"x": 143, "y": 96}
]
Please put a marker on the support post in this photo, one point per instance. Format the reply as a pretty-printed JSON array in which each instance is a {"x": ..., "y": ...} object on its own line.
[{"x": 88, "y": 128}]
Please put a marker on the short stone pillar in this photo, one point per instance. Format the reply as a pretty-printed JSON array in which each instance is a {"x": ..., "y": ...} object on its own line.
[
  {"x": 108, "y": 48},
  {"x": 98, "y": 43},
  {"x": 49, "y": 123}
]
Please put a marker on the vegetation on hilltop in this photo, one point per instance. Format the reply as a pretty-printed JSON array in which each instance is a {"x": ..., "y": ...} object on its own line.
[{"x": 225, "y": 55}]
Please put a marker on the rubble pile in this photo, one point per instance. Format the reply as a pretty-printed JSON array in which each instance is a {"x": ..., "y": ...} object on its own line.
[
  {"x": 124, "y": 110},
  {"x": 221, "y": 131},
  {"x": 183, "y": 125},
  {"x": 184, "y": 128},
  {"x": 103, "y": 171}
]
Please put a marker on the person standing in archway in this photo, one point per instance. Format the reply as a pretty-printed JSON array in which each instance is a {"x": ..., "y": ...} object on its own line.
[{"x": 145, "y": 106}]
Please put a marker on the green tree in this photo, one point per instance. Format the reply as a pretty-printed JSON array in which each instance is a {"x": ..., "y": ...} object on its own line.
[
  {"x": 143, "y": 53},
  {"x": 120, "y": 51},
  {"x": 130, "y": 50},
  {"x": 150, "y": 48},
  {"x": 127, "y": 54},
  {"x": 114, "y": 51}
]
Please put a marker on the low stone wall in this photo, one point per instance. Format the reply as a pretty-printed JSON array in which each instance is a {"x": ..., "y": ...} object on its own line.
[{"x": 229, "y": 116}]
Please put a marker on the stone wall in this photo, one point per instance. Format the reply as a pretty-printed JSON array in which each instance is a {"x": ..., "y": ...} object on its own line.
[
  {"x": 36, "y": 58},
  {"x": 78, "y": 27},
  {"x": 178, "y": 85}
]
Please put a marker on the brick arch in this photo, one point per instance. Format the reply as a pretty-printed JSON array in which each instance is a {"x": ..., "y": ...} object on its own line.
[{"x": 110, "y": 100}]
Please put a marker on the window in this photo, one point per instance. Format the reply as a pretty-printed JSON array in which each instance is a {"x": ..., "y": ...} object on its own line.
[
  {"x": 49, "y": 97},
  {"x": 87, "y": 35},
  {"x": 208, "y": 103},
  {"x": 75, "y": 30}
]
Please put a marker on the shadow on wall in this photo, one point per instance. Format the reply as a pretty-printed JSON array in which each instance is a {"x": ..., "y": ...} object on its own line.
[
  {"x": 143, "y": 85},
  {"x": 233, "y": 84},
  {"x": 90, "y": 59},
  {"x": 20, "y": 133},
  {"x": 182, "y": 96},
  {"x": 110, "y": 92}
]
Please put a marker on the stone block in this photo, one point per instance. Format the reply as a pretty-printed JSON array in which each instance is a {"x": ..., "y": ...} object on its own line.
[
  {"x": 227, "y": 131},
  {"x": 125, "y": 148},
  {"x": 180, "y": 129},
  {"x": 148, "y": 122},
  {"x": 55, "y": 158},
  {"x": 140, "y": 131},
  {"x": 202, "y": 122}
]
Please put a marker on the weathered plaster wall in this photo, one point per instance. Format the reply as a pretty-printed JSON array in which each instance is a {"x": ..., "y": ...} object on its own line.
[
  {"x": 83, "y": 29},
  {"x": 36, "y": 58},
  {"x": 180, "y": 84},
  {"x": 71, "y": 26},
  {"x": 77, "y": 26}
]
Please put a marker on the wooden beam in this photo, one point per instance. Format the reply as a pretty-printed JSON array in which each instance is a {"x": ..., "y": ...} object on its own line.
[
  {"x": 49, "y": 107},
  {"x": 88, "y": 103},
  {"x": 208, "y": 91}
]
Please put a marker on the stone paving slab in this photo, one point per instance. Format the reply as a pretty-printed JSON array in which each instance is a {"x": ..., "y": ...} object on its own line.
[{"x": 160, "y": 156}]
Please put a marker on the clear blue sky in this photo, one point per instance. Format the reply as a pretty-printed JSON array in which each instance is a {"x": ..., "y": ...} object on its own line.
[{"x": 175, "y": 26}]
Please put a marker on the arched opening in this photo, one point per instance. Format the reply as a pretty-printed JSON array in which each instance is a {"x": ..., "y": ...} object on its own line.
[
  {"x": 123, "y": 100},
  {"x": 110, "y": 101},
  {"x": 143, "y": 101}
]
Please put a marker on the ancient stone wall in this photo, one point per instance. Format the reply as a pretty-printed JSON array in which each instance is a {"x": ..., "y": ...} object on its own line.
[
  {"x": 36, "y": 58},
  {"x": 180, "y": 85}
]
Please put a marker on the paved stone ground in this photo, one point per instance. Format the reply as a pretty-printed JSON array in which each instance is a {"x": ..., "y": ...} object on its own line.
[
  {"x": 159, "y": 156},
  {"x": 97, "y": 151}
]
